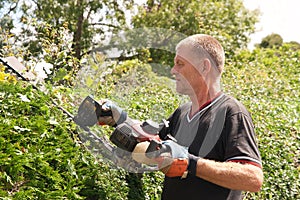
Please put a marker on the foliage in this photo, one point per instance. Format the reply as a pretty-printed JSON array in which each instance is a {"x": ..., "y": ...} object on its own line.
[
  {"x": 133, "y": 85},
  {"x": 88, "y": 21},
  {"x": 40, "y": 158},
  {"x": 232, "y": 25},
  {"x": 6, "y": 43},
  {"x": 6, "y": 50},
  {"x": 294, "y": 45},
  {"x": 267, "y": 82},
  {"x": 54, "y": 57},
  {"x": 5, "y": 77},
  {"x": 56, "y": 50},
  {"x": 6, "y": 26},
  {"x": 60, "y": 32},
  {"x": 270, "y": 41},
  {"x": 6, "y": 20}
]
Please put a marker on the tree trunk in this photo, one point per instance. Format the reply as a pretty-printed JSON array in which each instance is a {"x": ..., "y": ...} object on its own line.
[{"x": 78, "y": 31}]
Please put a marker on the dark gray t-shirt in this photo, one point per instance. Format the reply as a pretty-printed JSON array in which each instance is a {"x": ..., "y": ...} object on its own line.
[{"x": 221, "y": 131}]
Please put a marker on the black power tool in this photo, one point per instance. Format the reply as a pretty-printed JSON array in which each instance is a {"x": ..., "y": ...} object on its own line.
[{"x": 127, "y": 134}]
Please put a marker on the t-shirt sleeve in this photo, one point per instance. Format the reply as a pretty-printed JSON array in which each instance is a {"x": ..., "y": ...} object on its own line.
[
  {"x": 241, "y": 145},
  {"x": 167, "y": 129}
]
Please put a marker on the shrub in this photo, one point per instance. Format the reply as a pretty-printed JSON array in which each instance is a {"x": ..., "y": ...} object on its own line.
[
  {"x": 267, "y": 82},
  {"x": 40, "y": 156}
]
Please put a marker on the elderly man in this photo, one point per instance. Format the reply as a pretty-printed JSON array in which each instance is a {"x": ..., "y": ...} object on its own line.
[{"x": 215, "y": 155}]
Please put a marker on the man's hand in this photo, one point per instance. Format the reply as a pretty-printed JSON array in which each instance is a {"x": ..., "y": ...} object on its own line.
[
  {"x": 118, "y": 115},
  {"x": 139, "y": 154},
  {"x": 174, "y": 162},
  {"x": 177, "y": 164}
]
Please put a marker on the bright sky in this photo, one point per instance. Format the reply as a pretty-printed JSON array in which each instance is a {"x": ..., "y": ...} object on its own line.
[{"x": 277, "y": 16}]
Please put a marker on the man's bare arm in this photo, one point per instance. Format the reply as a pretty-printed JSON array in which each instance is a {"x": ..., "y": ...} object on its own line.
[{"x": 231, "y": 175}]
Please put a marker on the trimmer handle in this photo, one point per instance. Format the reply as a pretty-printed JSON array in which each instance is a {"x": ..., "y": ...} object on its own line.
[
  {"x": 89, "y": 112},
  {"x": 156, "y": 148}
]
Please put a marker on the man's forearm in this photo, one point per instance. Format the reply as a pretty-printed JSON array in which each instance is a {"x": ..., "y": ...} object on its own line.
[{"x": 231, "y": 175}]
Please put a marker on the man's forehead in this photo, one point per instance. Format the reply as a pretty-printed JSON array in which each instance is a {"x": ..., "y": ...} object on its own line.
[
  {"x": 185, "y": 54},
  {"x": 179, "y": 58}
]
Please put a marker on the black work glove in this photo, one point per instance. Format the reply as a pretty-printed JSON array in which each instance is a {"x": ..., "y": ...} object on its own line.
[{"x": 118, "y": 114}]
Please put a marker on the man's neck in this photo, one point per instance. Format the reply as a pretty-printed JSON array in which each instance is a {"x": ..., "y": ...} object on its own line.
[{"x": 201, "y": 99}]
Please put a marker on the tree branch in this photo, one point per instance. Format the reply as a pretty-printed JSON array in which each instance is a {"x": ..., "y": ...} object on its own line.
[
  {"x": 104, "y": 24},
  {"x": 12, "y": 8}
]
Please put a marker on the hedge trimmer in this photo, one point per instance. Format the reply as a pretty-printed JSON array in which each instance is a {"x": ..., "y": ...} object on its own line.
[{"x": 125, "y": 135}]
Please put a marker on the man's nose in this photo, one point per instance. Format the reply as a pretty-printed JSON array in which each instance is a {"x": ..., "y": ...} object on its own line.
[{"x": 173, "y": 70}]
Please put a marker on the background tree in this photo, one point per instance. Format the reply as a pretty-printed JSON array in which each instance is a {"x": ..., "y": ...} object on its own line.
[
  {"x": 6, "y": 23},
  {"x": 294, "y": 45},
  {"x": 88, "y": 21},
  {"x": 82, "y": 24},
  {"x": 227, "y": 20},
  {"x": 271, "y": 41}
]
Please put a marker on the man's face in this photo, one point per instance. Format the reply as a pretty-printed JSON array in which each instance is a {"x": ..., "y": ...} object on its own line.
[{"x": 189, "y": 79}]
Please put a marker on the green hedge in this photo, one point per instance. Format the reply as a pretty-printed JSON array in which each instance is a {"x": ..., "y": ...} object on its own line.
[
  {"x": 40, "y": 156},
  {"x": 267, "y": 82}
]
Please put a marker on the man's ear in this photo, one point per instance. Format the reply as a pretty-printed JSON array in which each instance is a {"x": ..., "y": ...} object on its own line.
[{"x": 206, "y": 66}]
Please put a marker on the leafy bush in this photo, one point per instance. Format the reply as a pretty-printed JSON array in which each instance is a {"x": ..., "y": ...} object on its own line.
[
  {"x": 267, "y": 82},
  {"x": 39, "y": 155},
  {"x": 5, "y": 77}
]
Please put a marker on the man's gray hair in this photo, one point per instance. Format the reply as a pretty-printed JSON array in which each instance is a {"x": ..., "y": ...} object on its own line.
[{"x": 205, "y": 46}]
